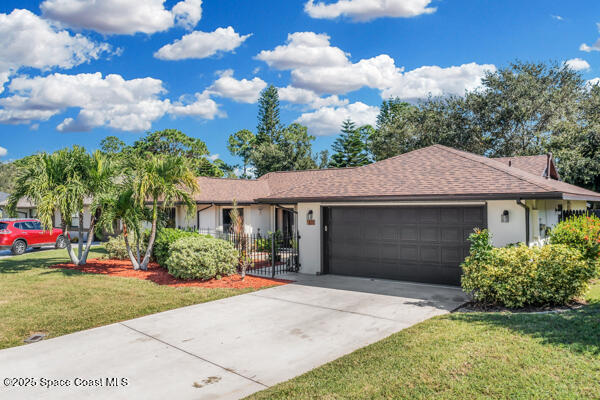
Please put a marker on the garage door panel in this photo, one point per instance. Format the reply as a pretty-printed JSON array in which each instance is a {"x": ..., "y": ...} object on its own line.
[
  {"x": 429, "y": 234},
  {"x": 409, "y": 253},
  {"x": 452, "y": 255},
  {"x": 451, "y": 234},
  {"x": 451, "y": 216},
  {"x": 389, "y": 232},
  {"x": 407, "y": 215},
  {"x": 424, "y": 244},
  {"x": 428, "y": 215},
  {"x": 430, "y": 254},
  {"x": 473, "y": 215},
  {"x": 410, "y": 232}
]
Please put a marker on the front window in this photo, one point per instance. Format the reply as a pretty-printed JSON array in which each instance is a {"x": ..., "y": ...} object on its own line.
[{"x": 227, "y": 218}]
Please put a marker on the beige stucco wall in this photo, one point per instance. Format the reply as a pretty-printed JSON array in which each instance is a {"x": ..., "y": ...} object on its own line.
[
  {"x": 310, "y": 238},
  {"x": 257, "y": 218},
  {"x": 504, "y": 233}
]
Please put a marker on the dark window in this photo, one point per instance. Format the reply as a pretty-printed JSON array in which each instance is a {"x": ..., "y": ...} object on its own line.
[
  {"x": 171, "y": 218},
  {"x": 37, "y": 225},
  {"x": 227, "y": 218},
  {"x": 20, "y": 225},
  {"x": 3, "y": 225}
]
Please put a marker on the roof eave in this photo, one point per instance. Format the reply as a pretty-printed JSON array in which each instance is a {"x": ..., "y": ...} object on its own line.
[{"x": 586, "y": 197}]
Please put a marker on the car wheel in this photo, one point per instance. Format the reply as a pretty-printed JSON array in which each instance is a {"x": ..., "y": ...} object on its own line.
[
  {"x": 61, "y": 243},
  {"x": 19, "y": 247}
]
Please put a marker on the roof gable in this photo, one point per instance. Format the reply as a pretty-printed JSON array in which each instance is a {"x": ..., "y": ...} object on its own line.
[{"x": 536, "y": 165}]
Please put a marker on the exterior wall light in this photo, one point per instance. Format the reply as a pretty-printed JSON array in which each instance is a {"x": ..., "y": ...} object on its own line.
[
  {"x": 505, "y": 216},
  {"x": 310, "y": 219}
]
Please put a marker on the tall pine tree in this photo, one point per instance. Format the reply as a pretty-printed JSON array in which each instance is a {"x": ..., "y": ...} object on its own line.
[
  {"x": 349, "y": 148},
  {"x": 269, "y": 125}
]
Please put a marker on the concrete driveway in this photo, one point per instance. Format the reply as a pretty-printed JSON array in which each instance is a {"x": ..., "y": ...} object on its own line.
[{"x": 225, "y": 349}]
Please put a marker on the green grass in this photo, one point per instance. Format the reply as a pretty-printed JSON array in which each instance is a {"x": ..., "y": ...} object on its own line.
[
  {"x": 34, "y": 298},
  {"x": 468, "y": 356}
]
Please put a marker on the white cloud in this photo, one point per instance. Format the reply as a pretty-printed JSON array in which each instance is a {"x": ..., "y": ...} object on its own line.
[
  {"x": 593, "y": 47},
  {"x": 321, "y": 68},
  {"x": 436, "y": 81},
  {"x": 187, "y": 13},
  {"x": 213, "y": 157},
  {"x": 577, "y": 64},
  {"x": 304, "y": 49},
  {"x": 123, "y": 16},
  {"x": 593, "y": 82},
  {"x": 366, "y": 10},
  {"x": 377, "y": 72},
  {"x": 243, "y": 91},
  {"x": 557, "y": 17},
  {"x": 3, "y": 151},
  {"x": 128, "y": 105},
  {"x": 27, "y": 40},
  {"x": 202, "y": 44},
  {"x": 328, "y": 120},
  {"x": 309, "y": 98}
]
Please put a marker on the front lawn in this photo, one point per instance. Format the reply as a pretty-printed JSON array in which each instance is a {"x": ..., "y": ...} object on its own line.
[
  {"x": 466, "y": 356},
  {"x": 34, "y": 298}
]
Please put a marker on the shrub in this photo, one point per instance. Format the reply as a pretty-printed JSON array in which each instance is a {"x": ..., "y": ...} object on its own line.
[
  {"x": 518, "y": 276},
  {"x": 165, "y": 237},
  {"x": 116, "y": 249},
  {"x": 582, "y": 233},
  {"x": 197, "y": 257}
]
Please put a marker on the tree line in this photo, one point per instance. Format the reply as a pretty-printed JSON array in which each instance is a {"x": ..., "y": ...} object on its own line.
[{"x": 522, "y": 109}]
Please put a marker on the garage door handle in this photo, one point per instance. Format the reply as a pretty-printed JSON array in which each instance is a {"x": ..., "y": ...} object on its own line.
[{"x": 325, "y": 228}]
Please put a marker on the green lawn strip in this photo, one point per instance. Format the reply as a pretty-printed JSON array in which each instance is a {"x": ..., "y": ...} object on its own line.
[
  {"x": 34, "y": 298},
  {"x": 467, "y": 356}
]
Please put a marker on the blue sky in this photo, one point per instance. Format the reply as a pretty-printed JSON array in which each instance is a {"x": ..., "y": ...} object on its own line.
[{"x": 73, "y": 72}]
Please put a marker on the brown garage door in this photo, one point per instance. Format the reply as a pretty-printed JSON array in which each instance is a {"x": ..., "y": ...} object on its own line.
[{"x": 423, "y": 244}]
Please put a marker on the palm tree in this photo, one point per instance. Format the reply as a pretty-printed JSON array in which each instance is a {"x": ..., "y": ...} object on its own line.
[
  {"x": 61, "y": 181},
  {"x": 122, "y": 206},
  {"x": 162, "y": 181}
]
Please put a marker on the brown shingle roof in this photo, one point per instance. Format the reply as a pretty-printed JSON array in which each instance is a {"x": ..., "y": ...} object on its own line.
[
  {"x": 220, "y": 190},
  {"x": 435, "y": 172},
  {"x": 535, "y": 165}
]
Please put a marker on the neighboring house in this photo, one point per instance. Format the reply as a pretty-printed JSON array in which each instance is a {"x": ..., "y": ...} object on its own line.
[
  {"x": 407, "y": 217},
  {"x": 3, "y": 197},
  {"x": 26, "y": 209}
]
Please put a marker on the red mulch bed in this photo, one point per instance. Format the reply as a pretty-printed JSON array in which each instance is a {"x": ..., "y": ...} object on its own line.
[{"x": 159, "y": 275}]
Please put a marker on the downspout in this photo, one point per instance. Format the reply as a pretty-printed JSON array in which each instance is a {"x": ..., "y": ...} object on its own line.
[
  {"x": 198, "y": 215},
  {"x": 520, "y": 202}
]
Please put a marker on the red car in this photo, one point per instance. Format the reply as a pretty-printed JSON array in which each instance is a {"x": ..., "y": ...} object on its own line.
[{"x": 19, "y": 234}]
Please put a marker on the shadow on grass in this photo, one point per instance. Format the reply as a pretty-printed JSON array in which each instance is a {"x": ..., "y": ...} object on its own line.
[
  {"x": 38, "y": 259},
  {"x": 578, "y": 331}
]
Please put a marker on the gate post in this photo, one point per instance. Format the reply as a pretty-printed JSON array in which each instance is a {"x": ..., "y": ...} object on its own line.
[{"x": 273, "y": 255}]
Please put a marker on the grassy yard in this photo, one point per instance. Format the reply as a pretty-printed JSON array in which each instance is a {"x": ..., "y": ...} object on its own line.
[
  {"x": 468, "y": 356},
  {"x": 34, "y": 298}
]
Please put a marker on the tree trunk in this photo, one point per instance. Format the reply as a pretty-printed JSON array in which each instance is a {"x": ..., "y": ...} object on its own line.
[
  {"x": 70, "y": 250},
  {"x": 134, "y": 261},
  {"x": 90, "y": 239},
  {"x": 146, "y": 261},
  {"x": 80, "y": 239}
]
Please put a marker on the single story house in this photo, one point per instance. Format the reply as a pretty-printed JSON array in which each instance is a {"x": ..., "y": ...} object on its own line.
[{"x": 407, "y": 217}]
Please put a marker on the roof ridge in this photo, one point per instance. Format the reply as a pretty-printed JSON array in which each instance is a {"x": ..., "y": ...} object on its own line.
[
  {"x": 307, "y": 170},
  {"x": 490, "y": 162}
]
